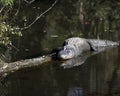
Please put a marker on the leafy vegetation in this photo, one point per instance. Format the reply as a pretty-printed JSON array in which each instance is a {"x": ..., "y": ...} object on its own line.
[
  {"x": 7, "y": 2},
  {"x": 6, "y": 30}
]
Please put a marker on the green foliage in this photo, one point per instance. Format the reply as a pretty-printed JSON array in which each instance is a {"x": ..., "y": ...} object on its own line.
[
  {"x": 6, "y": 29},
  {"x": 5, "y": 33},
  {"x": 7, "y": 2},
  {"x": 101, "y": 9}
]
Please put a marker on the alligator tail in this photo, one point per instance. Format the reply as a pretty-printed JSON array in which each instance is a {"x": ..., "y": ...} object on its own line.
[{"x": 94, "y": 43}]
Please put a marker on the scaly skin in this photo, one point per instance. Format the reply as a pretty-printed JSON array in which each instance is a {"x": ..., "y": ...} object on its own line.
[{"x": 74, "y": 47}]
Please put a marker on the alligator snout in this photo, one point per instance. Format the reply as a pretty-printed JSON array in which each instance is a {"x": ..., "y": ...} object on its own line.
[{"x": 66, "y": 53}]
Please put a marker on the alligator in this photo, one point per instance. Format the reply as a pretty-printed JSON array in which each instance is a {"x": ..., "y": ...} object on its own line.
[
  {"x": 75, "y": 46},
  {"x": 71, "y": 49}
]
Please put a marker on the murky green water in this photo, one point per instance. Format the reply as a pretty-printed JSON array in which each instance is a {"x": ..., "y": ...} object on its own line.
[{"x": 99, "y": 75}]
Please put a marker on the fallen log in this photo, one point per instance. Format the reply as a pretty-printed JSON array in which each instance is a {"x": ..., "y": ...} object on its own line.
[{"x": 6, "y": 68}]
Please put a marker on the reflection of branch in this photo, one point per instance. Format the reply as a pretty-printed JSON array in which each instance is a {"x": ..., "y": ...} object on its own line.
[
  {"x": 112, "y": 82},
  {"x": 29, "y": 2},
  {"x": 38, "y": 17}
]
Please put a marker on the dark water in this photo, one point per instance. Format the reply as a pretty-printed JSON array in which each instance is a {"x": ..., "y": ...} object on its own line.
[{"x": 99, "y": 75}]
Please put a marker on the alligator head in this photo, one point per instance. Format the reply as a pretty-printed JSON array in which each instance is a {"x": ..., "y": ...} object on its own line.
[{"x": 67, "y": 52}]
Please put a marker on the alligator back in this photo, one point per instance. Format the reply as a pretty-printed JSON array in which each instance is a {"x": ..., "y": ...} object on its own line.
[
  {"x": 75, "y": 46},
  {"x": 79, "y": 44}
]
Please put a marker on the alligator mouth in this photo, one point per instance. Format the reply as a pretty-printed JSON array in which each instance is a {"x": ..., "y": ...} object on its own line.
[{"x": 64, "y": 57}]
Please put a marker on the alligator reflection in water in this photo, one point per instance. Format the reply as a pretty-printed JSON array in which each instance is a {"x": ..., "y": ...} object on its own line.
[
  {"x": 75, "y": 91},
  {"x": 81, "y": 59}
]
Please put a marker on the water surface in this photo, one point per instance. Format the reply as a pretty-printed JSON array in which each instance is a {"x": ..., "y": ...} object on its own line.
[{"x": 98, "y": 76}]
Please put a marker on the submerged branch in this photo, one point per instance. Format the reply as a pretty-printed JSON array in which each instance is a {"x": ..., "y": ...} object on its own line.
[{"x": 38, "y": 17}]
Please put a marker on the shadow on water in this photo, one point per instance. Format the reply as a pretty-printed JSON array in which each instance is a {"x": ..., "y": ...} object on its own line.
[{"x": 92, "y": 74}]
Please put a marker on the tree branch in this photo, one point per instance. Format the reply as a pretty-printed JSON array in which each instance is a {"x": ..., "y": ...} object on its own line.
[
  {"x": 38, "y": 17},
  {"x": 2, "y": 9},
  {"x": 29, "y": 2},
  {"x": 18, "y": 8}
]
